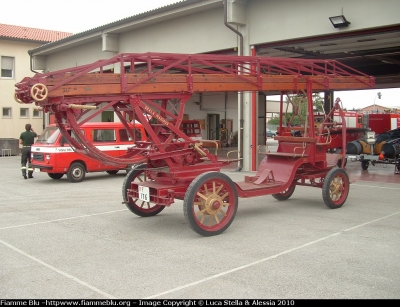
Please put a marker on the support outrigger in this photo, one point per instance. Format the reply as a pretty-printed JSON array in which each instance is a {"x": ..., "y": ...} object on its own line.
[{"x": 152, "y": 88}]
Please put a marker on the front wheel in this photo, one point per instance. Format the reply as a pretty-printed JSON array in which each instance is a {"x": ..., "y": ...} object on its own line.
[
  {"x": 286, "y": 193},
  {"x": 335, "y": 188},
  {"x": 55, "y": 175},
  {"x": 135, "y": 205},
  {"x": 210, "y": 203},
  {"x": 76, "y": 172}
]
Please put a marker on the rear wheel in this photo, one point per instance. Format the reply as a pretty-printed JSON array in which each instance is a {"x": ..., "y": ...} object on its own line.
[
  {"x": 210, "y": 203},
  {"x": 135, "y": 205},
  {"x": 55, "y": 175},
  {"x": 335, "y": 188},
  {"x": 76, "y": 172},
  {"x": 286, "y": 193}
]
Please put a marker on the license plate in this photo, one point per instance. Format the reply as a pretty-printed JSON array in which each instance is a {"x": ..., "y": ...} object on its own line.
[
  {"x": 144, "y": 193},
  {"x": 37, "y": 170}
]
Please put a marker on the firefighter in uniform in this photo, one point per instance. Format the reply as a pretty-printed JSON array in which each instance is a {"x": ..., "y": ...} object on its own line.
[{"x": 26, "y": 139}]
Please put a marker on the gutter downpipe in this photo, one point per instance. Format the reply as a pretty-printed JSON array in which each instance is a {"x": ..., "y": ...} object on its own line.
[
  {"x": 240, "y": 131},
  {"x": 31, "y": 62}
]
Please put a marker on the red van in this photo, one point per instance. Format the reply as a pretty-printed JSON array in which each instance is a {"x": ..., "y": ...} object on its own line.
[{"x": 52, "y": 154}]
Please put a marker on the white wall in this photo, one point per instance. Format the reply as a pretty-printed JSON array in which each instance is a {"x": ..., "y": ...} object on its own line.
[
  {"x": 198, "y": 33},
  {"x": 280, "y": 20},
  {"x": 77, "y": 56},
  {"x": 212, "y": 103},
  {"x": 12, "y": 127}
]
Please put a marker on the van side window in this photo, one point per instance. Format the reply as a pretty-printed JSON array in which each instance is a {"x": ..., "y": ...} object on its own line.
[
  {"x": 64, "y": 140},
  {"x": 124, "y": 137},
  {"x": 138, "y": 135},
  {"x": 104, "y": 135}
]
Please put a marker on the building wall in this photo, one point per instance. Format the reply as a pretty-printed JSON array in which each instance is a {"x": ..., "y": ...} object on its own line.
[
  {"x": 12, "y": 127},
  {"x": 307, "y": 18},
  {"x": 202, "y": 32},
  {"x": 376, "y": 109},
  {"x": 80, "y": 55}
]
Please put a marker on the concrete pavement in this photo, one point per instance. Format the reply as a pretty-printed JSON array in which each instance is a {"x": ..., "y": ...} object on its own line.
[{"x": 77, "y": 240}]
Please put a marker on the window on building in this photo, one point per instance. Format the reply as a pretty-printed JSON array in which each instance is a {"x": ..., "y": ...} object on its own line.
[
  {"x": 24, "y": 112},
  {"x": 37, "y": 113},
  {"x": 7, "y": 113},
  {"x": 7, "y": 67}
]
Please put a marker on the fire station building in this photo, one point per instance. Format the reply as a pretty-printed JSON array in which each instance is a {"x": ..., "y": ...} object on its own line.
[{"x": 364, "y": 35}]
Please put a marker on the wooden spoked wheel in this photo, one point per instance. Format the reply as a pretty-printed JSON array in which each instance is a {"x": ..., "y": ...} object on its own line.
[
  {"x": 335, "y": 188},
  {"x": 210, "y": 203}
]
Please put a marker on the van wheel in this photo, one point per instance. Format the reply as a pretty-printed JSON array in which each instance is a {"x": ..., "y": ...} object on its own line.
[
  {"x": 76, "y": 172},
  {"x": 112, "y": 172},
  {"x": 55, "y": 175}
]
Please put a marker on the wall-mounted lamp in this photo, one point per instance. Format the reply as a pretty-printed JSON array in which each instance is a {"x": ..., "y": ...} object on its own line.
[{"x": 339, "y": 21}]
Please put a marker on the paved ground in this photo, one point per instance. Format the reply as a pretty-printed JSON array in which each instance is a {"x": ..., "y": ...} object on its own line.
[{"x": 65, "y": 240}]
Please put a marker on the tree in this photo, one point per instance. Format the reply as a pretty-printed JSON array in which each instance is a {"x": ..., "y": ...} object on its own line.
[{"x": 299, "y": 103}]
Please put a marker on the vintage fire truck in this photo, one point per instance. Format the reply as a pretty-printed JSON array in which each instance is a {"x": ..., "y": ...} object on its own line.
[{"x": 169, "y": 165}]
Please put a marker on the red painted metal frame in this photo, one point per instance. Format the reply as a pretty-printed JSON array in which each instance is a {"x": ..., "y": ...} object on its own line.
[
  {"x": 254, "y": 122},
  {"x": 153, "y": 88}
]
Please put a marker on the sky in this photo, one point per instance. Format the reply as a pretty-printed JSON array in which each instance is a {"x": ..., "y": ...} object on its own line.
[
  {"x": 72, "y": 16},
  {"x": 390, "y": 98},
  {"x": 76, "y": 16}
]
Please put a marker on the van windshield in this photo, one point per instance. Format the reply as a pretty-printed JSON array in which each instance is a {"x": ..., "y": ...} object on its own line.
[{"x": 49, "y": 135}]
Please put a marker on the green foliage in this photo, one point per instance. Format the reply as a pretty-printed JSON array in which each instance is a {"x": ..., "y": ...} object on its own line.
[
  {"x": 274, "y": 121},
  {"x": 298, "y": 117}
]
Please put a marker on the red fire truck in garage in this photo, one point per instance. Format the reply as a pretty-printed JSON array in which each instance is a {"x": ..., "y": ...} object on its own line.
[
  {"x": 353, "y": 119},
  {"x": 381, "y": 123}
]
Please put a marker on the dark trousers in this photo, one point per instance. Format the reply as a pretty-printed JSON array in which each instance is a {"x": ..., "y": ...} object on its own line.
[{"x": 26, "y": 160}]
